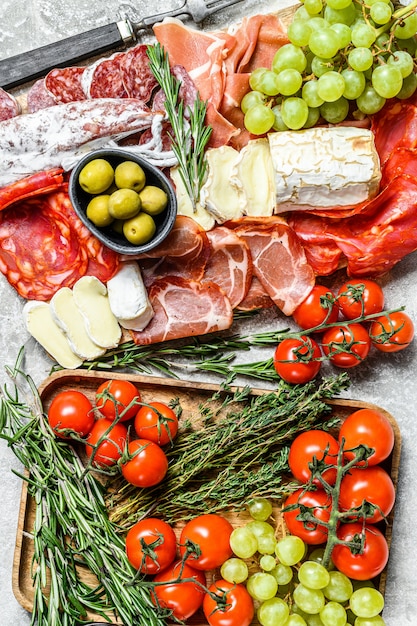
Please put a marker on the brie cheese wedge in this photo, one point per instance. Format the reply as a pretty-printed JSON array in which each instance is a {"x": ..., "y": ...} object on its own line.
[
  {"x": 128, "y": 297},
  {"x": 91, "y": 298},
  {"x": 255, "y": 171},
  {"x": 184, "y": 204}
]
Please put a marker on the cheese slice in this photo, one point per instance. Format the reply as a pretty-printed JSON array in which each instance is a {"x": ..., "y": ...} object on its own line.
[
  {"x": 69, "y": 318},
  {"x": 41, "y": 325},
  {"x": 324, "y": 167},
  {"x": 91, "y": 298},
  {"x": 128, "y": 297},
  {"x": 255, "y": 171},
  {"x": 184, "y": 205}
]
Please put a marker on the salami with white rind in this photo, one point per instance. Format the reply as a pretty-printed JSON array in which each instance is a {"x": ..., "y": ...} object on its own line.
[{"x": 9, "y": 106}]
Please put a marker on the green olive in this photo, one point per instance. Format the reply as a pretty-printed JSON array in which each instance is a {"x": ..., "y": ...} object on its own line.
[
  {"x": 98, "y": 211},
  {"x": 96, "y": 176},
  {"x": 124, "y": 204},
  {"x": 130, "y": 175},
  {"x": 117, "y": 226},
  {"x": 154, "y": 199},
  {"x": 139, "y": 229}
]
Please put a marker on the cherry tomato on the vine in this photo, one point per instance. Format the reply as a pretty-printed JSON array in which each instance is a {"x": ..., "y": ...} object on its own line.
[
  {"x": 311, "y": 532},
  {"x": 372, "y": 484},
  {"x": 156, "y": 422},
  {"x": 206, "y": 539},
  {"x": 313, "y": 443},
  {"x": 147, "y": 464},
  {"x": 151, "y": 545},
  {"x": 183, "y": 598},
  {"x": 318, "y": 307},
  {"x": 297, "y": 361},
  {"x": 366, "y": 564},
  {"x": 392, "y": 332},
  {"x": 367, "y": 427},
  {"x": 234, "y": 606},
  {"x": 360, "y": 296},
  {"x": 106, "y": 442},
  {"x": 71, "y": 411},
  {"x": 346, "y": 346},
  {"x": 118, "y": 399}
]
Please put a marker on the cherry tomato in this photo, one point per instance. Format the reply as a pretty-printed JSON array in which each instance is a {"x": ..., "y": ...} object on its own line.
[
  {"x": 151, "y": 545},
  {"x": 72, "y": 411},
  {"x": 313, "y": 443},
  {"x": 392, "y": 332},
  {"x": 118, "y": 398},
  {"x": 371, "y": 561},
  {"x": 183, "y": 598},
  {"x": 206, "y": 539},
  {"x": 312, "y": 533},
  {"x": 346, "y": 346},
  {"x": 234, "y": 608},
  {"x": 297, "y": 360},
  {"x": 156, "y": 422},
  {"x": 106, "y": 442},
  {"x": 371, "y": 428},
  {"x": 360, "y": 296},
  {"x": 372, "y": 484},
  {"x": 147, "y": 464},
  {"x": 317, "y": 308}
]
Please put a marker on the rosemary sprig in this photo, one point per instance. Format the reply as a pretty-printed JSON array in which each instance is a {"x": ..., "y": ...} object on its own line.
[{"x": 190, "y": 133}]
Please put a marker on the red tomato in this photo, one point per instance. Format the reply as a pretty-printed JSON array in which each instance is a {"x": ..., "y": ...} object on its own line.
[
  {"x": 156, "y": 422},
  {"x": 372, "y": 484},
  {"x": 183, "y": 598},
  {"x": 233, "y": 608},
  {"x": 147, "y": 464},
  {"x": 151, "y": 545},
  {"x": 206, "y": 539},
  {"x": 106, "y": 442},
  {"x": 346, "y": 346},
  {"x": 116, "y": 398},
  {"x": 371, "y": 428},
  {"x": 359, "y": 296},
  {"x": 297, "y": 360},
  {"x": 370, "y": 562},
  {"x": 310, "y": 444},
  {"x": 319, "y": 307},
  {"x": 312, "y": 533},
  {"x": 392, "y": 332},
  {"x": 71, "y": 411}
]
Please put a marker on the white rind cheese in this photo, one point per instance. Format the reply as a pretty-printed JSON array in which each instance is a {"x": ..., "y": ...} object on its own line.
[
  {"x": 255, "y": 171},
  {"x": 91, "y": 298},
  {"x": 41, "y": 325},
  {"x": 128, "y": 297},
  {"x": 184, "y": 205},
  {"x": 222, "y": 194},
  {"x": 324, "y": 167},
  {"x": 69, "y": 318}
]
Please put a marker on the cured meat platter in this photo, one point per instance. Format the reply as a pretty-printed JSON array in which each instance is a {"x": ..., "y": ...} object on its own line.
[{"x": 190, "y": 396}]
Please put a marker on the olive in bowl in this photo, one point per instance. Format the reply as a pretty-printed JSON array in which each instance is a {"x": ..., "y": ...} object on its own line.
[{"x": 126, "y": 202}]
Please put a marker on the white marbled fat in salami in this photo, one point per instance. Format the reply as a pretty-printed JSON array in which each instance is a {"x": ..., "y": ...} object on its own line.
[
  {"x": 64, "y": 84},
  {"x": 9, "y": 106},
  {"x": 137, "y": 76},
  {"x": 38, "y": 97}
]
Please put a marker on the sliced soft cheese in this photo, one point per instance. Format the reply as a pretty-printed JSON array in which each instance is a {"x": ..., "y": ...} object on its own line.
[
  {"x": 68, "y": 316},
  {"x": 128, "y": 297},
  {"x": 91, "y": 298},
  {"x": 41, "y": 325},
  {"x": 184, "y": 205},
  {"x": 324, "y": 167},
  {"x": 255, "y": 171}
]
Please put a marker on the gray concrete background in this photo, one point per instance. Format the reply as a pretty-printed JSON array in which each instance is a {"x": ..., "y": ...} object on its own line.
[{"x": 386, "y": 380}]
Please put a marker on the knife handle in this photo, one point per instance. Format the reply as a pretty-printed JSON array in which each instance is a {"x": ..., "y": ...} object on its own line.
[{"x": 27, "y": 66}]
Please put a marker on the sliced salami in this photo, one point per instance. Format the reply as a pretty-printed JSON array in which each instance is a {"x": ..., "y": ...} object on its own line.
[
  {"x": 103, "y": 79},
  {"x": 38, "y": 97},
  {"x": 65, "y": 84},
  {"x": 137, "y": 77},
  {"x": 9, "y": 106}
]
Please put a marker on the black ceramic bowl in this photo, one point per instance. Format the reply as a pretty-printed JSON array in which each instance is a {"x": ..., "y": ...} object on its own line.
[{"x": 109, "y": 237}]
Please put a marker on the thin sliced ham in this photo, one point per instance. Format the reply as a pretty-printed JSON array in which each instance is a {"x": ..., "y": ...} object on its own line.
[{"x": 256, "y": 298}]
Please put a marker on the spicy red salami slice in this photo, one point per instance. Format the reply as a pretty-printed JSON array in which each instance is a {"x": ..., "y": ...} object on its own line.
[
  {"x": 103, "y": 79},
  {"x": 9, "y": 106},
  {"x": 137, "y": 77},
  {"x": 38, "y": 97},
  {"x": 64, "y": 84}
]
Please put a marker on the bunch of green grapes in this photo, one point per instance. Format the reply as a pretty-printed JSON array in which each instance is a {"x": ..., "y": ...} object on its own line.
[
  {"x": 290, "y": 586},
  {"x": 344, "y": 56}
]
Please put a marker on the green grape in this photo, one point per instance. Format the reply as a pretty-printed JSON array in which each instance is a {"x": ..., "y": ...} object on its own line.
[
  {"x": 234, "y": 570},
  {"x": 273, "y": 612},
  {"x": 408, "y": 44},
  {"x": 387, "y": 80},
  {"x": 372, "y": 2},
  {"x": 381, "y": 13},
  {"x": 259, "y": 119},
  {"x": 333, "y": 614},
  {"x": 363, "y": 35},
  {"x": 370, "y": 102},
  {"x": 314, "y": 620},
  {"x": 320, "y": 66},
  {"x": 407, "y": 28},
  {"x": 250, "y": 99},
  {"x": 335, "y": 112},
  {"x": 243, "y": 542},
  {"x": 301, "y": 14},
  {"x": 289, "y": 82},
  {"x": 339, "y": 4},
  {"x": 339, "y": 588},
  {"x": 310, "y": 94},
  {"x": 403, "y": 61},
  {"x": 309, "y": 600},
  {"x": 294, "y": 113},
  {"x": 289, "y": 56},
  {"x": 295, "y": 620},
  {"x": 313, "y": 575},
  {"x": 370, "y": 621},
  {"x": 318, "y": 23},
  {"x": 261, "y": 586},
  {"x": 313, "y": 117},
  {"x": 290, "y": 549},
  {"x": 299, "y": 33},
  {"x": 366, "y": 602},
  {"x": 268, "y": 83},
  {"x": 255, "y": 78},
  {"x": 324, "y": 43},
  {"x": 264, "y": 532},
  {"x": 343, "y": 33},
  {"x": 354, "y": 83},
  {"x": 297, "y": 611},
  {"x": 314, "y": 7},
  {"x": 267, "y": 562},
  {"x": 360, "y": 59},
  {"x": 283, "y": 574},
  {"x": 318, "y": 555},
  {"x": 331, "y": 86},
  {"x": 260, "y": 509},
  {"x": 340, "y": 16},
  {"x": 408, "y": 88},
  {"x": 382, "y": 42},
  {"x": 278, "y": 121}
]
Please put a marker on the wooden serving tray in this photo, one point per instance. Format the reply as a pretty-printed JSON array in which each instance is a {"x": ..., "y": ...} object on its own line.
[{"x": 190, "y": 396}]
